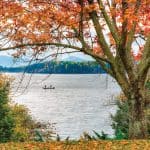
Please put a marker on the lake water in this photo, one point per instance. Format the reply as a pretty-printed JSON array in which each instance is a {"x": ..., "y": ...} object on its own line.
[{"x": 78, "y": 103}]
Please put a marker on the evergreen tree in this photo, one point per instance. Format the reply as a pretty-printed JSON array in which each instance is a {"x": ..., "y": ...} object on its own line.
[{"x": 6, "y": 119}]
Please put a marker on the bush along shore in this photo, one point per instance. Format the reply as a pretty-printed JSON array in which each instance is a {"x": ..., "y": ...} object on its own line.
[{"x": 16, "y": 124}]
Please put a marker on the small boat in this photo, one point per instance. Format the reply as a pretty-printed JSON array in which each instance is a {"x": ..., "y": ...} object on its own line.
[{"x": 48, "y": 87}]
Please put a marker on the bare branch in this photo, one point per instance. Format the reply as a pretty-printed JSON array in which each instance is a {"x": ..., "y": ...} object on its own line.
[
  {"x": 109, "y": 22},
  {"x": 144, "y": 64},
  {"x": 101, "y": 38},
  {"x": 40, "y": 44}
]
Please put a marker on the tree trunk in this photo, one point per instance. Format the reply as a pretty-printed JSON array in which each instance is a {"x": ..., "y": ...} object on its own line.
[{"x": 137, "y": 117}]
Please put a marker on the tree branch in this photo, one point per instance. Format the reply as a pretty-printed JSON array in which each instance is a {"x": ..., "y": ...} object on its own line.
[
  {"x": 132, "y": 31},
  {"x": 41, "y": 44},
  {"x": 109, "y": 22},
  {"x": 123, "y": 51},
  {"x": 100, "y": 35},
  {"x": 144, "y": 64}
]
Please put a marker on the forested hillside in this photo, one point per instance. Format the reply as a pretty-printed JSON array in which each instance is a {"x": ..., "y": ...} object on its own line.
[{"x": 64, "y": 67}]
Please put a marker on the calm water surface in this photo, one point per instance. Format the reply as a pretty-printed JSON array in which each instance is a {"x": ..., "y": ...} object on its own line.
[{"x": 78, "y": 103}]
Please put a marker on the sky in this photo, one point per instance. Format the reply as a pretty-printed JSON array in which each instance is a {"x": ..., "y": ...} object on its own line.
[{"x": 6, "y": 59}]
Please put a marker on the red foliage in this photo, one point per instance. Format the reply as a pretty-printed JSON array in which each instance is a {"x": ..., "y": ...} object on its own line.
[{"x": 44, "y": 21}]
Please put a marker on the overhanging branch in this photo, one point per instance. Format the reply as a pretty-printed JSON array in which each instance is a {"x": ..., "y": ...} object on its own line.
[
  {"x": 57, "y": 45},
  {"x": 40, "y": 44}
]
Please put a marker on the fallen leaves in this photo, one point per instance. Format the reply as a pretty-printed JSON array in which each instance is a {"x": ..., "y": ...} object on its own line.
[{"x": 81, "y": 145}]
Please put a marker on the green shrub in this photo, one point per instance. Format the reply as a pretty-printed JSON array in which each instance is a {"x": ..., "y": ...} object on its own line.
[
  {"x": 23, "y": 122},
  {"x": 96, "y": 136},
  {"x": 148, "y": 84},
  {"x": 26, "y": 128},
  {"x": 121, "y": 121},
  {"x": 16, "y": 124},
  {"x": 7, "y": 122}
]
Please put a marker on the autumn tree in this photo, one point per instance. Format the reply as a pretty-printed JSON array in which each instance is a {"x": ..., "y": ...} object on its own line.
[{"x": 114, "y": 32}]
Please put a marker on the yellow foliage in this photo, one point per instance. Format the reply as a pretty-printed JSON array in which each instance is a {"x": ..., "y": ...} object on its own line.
[
  {"x": 23, "y": 123},
  {"x": 122, "y": 97},
  {"x": 4, "y": 79}
]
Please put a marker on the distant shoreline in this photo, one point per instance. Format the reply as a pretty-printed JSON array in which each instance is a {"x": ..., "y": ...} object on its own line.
[
  {"x": 54, "y": 67},
  {"x": 53, "y": 73}
]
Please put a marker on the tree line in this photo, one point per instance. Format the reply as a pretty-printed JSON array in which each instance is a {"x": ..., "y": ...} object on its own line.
[{"x": 58, "y": 67}]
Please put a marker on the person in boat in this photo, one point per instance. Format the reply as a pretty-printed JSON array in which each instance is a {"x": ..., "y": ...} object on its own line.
[{"x": 50, "y": 87}]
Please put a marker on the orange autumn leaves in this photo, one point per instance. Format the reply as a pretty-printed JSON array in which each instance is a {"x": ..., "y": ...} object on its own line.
[
  {"x": 67, "y": 12},
  {"x": 134, "y": 11},
  {"x": 80, "y": 145},
  {"x": 43, "y": 21}
]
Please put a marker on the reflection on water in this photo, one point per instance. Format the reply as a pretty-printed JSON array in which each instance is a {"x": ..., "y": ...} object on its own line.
[{"x": 78, "y": 103}]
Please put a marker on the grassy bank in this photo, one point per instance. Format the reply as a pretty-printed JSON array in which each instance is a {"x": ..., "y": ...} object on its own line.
[{"x": 82, "y": 145}]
